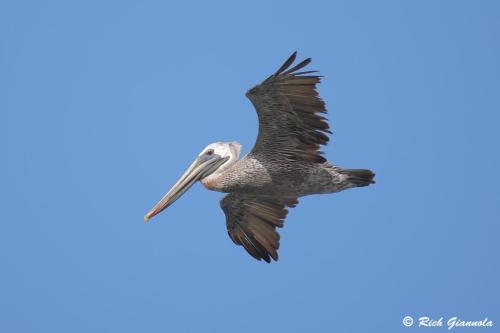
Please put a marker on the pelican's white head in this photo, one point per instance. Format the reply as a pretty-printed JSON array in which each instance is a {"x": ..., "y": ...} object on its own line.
[
  {"x": 212, "y": 160},
  {"x": 229, "y": 150}
]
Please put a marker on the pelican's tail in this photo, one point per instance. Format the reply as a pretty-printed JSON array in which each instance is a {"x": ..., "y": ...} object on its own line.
[{"x": 359, "y": 177}]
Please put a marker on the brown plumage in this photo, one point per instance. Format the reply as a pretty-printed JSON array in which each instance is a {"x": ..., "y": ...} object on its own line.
[
  {"x": 284, "y": 164},
  {"x": 252, "y": 221},
  {"x": 289, "y": 99}
]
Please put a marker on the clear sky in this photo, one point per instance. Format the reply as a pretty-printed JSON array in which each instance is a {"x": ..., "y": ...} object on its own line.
[{"x": 104, "y": 104}]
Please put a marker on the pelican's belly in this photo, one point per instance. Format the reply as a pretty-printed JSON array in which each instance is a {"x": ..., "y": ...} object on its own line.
[{"x": 253, "y": 177}]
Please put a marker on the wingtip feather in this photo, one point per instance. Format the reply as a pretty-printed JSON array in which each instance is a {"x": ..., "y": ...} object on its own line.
[{"x": 286, "y": 64}]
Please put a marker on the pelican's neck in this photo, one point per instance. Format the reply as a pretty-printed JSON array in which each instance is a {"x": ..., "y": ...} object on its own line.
[{"x": 214, "y": 180}]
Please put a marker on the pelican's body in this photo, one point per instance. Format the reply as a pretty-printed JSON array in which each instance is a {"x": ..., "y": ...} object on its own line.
[
  {"x": 253, "y": 175},
  {"x": 284, "y": 164}
]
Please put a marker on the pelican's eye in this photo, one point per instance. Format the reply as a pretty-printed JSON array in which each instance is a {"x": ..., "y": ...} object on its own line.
[{"x": 209, "y": 152}]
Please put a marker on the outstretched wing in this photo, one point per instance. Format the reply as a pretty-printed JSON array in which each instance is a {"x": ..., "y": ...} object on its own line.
[
  {"x": 289, "y": 108},
  {"x": 252, "y": 221}
]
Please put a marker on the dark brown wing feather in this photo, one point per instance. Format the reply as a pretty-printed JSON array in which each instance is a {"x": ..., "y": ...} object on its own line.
[
  {"x": 289, "y": 108},
  {"x": 252, "y": 222}
]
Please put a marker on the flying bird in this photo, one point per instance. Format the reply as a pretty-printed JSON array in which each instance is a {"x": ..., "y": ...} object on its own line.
[{"x": 285, "y": 163}]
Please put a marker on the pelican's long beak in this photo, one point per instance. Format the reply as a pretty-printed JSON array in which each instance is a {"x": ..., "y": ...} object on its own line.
[{"x": 201, "y": 167}]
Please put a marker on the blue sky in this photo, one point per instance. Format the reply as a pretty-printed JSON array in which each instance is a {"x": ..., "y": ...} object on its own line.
[{"x": 104, "y": 104}]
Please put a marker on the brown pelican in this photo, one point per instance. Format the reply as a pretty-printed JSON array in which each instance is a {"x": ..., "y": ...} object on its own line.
[{"x": 284, "y": 164}]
